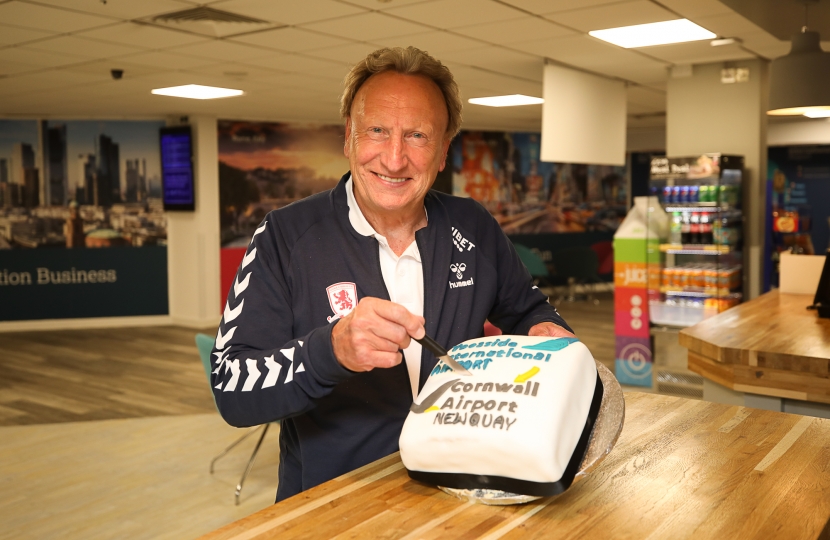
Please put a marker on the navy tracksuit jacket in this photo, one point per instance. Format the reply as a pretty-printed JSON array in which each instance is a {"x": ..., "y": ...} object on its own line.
[{"x": 273, "y": 357}]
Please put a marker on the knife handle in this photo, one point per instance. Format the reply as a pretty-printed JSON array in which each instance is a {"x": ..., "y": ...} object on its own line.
[{"x": 432, "y": 346}]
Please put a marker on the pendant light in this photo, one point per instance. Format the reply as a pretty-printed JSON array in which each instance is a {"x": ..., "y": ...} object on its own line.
[{"x": 800, "y": 81}]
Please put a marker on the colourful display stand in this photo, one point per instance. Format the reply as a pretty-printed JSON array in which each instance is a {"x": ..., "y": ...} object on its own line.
[{"x": 636, "y": 265}]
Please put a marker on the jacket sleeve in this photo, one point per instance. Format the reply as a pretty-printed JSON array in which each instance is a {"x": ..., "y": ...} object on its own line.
[
  {"x": 519, "y": 305},
  {"x": 261, "y": 371}
]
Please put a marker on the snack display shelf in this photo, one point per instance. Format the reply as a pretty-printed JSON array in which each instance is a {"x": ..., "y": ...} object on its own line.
[
  {"x": 696, "y": 249},
  {"x": 696, "y": 207},
  {"x": 702, "y": 293},
  {"x": 680, "y": 315}
]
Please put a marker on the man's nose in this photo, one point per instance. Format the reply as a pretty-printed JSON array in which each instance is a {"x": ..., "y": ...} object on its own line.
[{"x": 395, "y": 154}]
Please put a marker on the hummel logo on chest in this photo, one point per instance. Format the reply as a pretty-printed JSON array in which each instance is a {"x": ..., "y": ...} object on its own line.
[{"x": 458, "y": 270}]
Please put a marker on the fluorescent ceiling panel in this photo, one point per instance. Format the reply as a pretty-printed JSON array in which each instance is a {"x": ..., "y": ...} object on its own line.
[
  {"x": 197, "y": 91},
  {"x": 506, "y": 101},
  {"x": 659, "y": 33}
]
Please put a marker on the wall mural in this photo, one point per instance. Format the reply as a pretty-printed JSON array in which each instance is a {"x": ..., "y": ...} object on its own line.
[
  {"x": 503, "y": 172},
  {"x": 558, "y": 210},
  {"x": 265, "y": 166},
  {"x": 68, "y": 188},
  {"x": 547, "y": 206}
]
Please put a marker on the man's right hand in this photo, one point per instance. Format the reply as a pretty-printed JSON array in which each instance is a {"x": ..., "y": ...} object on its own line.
[{"x": 372, "y": 335}]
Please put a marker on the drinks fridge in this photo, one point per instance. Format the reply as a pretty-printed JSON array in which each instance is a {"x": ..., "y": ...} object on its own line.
[{"x": 701, "y": 270}]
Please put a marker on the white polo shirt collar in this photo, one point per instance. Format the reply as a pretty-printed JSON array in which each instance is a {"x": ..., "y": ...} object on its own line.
[{"x": 403, "y": 276}]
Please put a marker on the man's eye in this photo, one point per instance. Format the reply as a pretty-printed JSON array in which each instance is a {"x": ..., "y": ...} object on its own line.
[
  {"x": 418, "y": 139},
  {"x": 375, "y": 130}
]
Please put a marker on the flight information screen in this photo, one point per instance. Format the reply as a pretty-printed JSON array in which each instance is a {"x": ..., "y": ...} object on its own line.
[{"x": 178, "y": 189}]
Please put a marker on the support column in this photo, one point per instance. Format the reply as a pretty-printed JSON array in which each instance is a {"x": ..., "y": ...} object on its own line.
[
  {"x": 193, "y": 238},
  {"x": 704, "y": 115}
]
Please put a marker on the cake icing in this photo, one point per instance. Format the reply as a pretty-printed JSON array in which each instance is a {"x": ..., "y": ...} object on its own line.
[{"x": 520, "y": 423}]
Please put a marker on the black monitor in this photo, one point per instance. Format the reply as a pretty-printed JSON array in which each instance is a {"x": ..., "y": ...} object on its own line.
[
  {"x": 177, "y": 180},
  {"x": 822, "y": 299}
]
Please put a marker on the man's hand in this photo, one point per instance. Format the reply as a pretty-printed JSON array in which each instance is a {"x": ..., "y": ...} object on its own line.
[
  {"x": 372, "y": 334},
  {"x": 549, "y": 329}
]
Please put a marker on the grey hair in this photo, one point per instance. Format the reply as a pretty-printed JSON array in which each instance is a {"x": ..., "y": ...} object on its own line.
[{"x": 408, "y": 61}]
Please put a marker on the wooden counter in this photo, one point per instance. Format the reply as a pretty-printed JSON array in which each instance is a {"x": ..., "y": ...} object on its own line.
[
  {"x": 772, "y": 346},
  {"x": 681, "y": 469}
]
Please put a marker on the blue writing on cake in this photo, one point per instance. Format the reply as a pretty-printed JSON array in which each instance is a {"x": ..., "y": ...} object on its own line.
[{"x": 475, "y": 420}]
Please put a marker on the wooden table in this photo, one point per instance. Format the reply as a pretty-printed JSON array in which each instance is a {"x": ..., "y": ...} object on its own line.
[
  {"x": 681, "y": 469},
  {"x": 772, "y": 346}
]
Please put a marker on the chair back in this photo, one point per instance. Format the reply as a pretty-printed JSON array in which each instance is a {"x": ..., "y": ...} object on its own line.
[
  {"x": 533, "y": 262},
  {"x": 204, "y": 343}
]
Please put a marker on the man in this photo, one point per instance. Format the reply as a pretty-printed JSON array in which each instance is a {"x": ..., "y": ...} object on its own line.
[{"x": 333, "y": 286}]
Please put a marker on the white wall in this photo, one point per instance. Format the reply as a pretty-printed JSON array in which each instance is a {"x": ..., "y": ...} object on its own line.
[
  {"x": 703, "y": 115},
  {"x": 193, "y": 239},
  {"x": 803, "y": 132}
]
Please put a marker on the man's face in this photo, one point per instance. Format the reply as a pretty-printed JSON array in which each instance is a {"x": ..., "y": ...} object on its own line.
[{"x": 395, "y": 141}]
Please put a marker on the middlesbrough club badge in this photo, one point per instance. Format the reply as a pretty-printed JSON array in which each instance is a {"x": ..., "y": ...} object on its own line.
[{"x": 342, "y": 299}]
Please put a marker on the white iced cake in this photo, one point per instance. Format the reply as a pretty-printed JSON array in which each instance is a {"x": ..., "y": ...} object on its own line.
[{"x": 520, "y": 423}]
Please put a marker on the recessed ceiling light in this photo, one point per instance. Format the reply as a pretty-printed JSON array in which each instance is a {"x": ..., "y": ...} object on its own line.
[
  {"x": 725, "y": 41},
  {"x": 197, "y": 91},
  {"x": 659, "y": 33},
  {"x": 817, "y": 113},
  {"x": 795, "y": 111},
  {"x": 506, "y": 101}
]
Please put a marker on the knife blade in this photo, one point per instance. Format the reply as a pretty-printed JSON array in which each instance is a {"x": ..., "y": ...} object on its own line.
[{"x": 441, "y": 353}]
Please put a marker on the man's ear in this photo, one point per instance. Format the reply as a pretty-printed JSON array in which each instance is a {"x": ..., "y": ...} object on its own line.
[
  {"x": 445, "y": 149},
  {"x": 348, "y": 136}
]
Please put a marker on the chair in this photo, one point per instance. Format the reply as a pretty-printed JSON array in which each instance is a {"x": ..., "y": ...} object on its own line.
[
  {"x": 579, "y": 265},
  {"x": 535, "y": 265},
  {"x": 205, "y": 345}
]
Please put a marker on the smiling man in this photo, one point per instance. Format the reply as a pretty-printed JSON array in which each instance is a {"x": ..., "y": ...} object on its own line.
[{"x": 317, "y": 328}]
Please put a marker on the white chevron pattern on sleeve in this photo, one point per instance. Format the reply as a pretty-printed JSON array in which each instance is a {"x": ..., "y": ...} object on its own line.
[
  {"x": 219, "y": 355},
  {"x": 300, "y": 368},
  {"x": 221, "y": 361},
  {"x": 253, "y": 375},
  {"x": 289, "y": 353},
  {"x": 221, "y": 340},
  {"x": 300, "y": 342},
  {"x": 249, "y": 258},
  {"x": 290, "y": 376},
  {"x": 231, "y": 314},
  {"x": 231, "y": 386},
  {"x": 273, "y": 372},
  {"x": 240, "y": 286},
  {"x": 259, "y": 230}
]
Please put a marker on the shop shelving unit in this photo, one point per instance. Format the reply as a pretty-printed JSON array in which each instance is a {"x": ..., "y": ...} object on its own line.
[{"x": 701, "y": 262}]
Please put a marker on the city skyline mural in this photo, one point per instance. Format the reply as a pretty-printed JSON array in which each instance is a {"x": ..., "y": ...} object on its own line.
[
  {"x": 80, "y": 183},
  {"x": 68, "y": 187}
]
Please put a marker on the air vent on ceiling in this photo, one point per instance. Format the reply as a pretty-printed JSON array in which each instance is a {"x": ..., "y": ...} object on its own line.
[
  {"x": 210, "y": 22},
  {"x": 207, "y": 14}
]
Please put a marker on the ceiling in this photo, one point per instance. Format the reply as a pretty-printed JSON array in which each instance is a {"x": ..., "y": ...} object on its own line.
[{"x": 56, "y": 55}]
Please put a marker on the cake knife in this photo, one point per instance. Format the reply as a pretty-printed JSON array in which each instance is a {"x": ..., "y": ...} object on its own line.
[{"x": 442, "y": 354}]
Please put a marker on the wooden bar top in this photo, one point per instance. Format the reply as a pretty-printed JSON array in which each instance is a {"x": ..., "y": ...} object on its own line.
[
  {"x": 771, "y": 345},
  {"x": 681, "y": 469}
]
